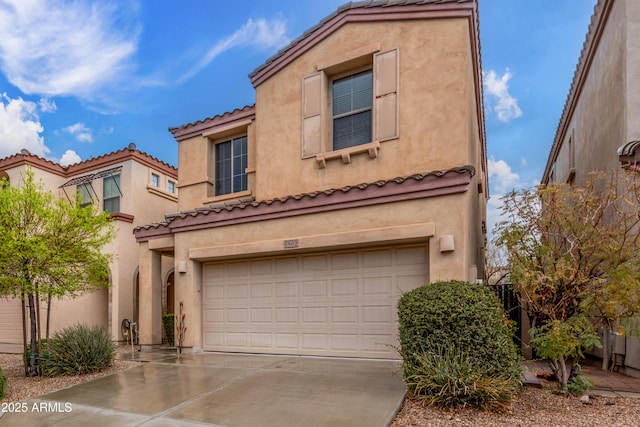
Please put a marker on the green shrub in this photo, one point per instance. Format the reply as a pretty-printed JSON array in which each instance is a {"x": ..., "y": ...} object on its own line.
[
  {"x": 449, "y": 377},
  {"x": 457, "y": 328},
  {"x": 77, "y": 350},
  {"x": 3, "y": 384},
  {"x": 168, "y": 322}
]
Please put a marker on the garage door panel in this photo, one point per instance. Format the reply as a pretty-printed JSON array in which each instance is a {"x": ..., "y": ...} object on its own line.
[
  {"x": 344, "y": 261},
  {"x": 377, "y": 259},
  {"x": 345, "y": 287},
  {"x": 315, "y": 288},
  {"x": 341, "y": 304}
]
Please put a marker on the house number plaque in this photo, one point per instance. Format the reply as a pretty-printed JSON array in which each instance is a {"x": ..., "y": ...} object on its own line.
[{"x": 291, "y": 244}]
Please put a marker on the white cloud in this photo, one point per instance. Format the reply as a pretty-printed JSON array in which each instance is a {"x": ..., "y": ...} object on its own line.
[
  {"x": 260, "y": 33},
  {"x": 47, "y": 105},
  {"x": 80, "y": 131},
  {"x": 69, "y": 157},
  {"x": 20, "y": 127},
  {"x": 501, "y": 180},
  {"x": 523, "y": 161},
  {"x": 505, "y": 105},
  {"x": 501, "y": 177},
  {"x": 64, "y": 47}
]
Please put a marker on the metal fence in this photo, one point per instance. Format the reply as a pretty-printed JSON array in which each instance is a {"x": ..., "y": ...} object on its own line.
[{"x": 511, "y": 304}]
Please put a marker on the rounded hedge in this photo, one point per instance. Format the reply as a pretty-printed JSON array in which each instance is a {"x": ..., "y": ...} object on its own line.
[{"x": 461, "y": 315}]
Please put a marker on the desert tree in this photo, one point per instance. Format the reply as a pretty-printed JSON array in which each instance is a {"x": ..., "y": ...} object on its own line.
[
  {"x": 574, "y": 259},
  {"x": 49, "y": 248}
]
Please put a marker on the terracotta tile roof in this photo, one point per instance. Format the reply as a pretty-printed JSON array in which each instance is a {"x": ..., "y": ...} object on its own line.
[
  {"x": 252, "y": 203},
  {"x": 25, "y": 157},
  {"x": 188, "y": 129},
  {"x": 596, "y": 27},
  {"x": 118, "y": 153}
]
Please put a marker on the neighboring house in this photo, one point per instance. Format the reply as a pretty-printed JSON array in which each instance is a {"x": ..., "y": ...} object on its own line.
[
  {"x": 136, "y": 189},
  {"x": 600, "y": 127},
  {"x": 359, "y": 174}
]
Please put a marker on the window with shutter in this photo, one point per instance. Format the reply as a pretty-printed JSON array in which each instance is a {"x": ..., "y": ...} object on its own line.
[{"x": 350, "y": 113}]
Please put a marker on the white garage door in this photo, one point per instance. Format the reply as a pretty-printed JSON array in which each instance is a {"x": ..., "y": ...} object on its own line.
[
  {"x": 10, "y": 321},
  {"x": 330, "y": 304}
]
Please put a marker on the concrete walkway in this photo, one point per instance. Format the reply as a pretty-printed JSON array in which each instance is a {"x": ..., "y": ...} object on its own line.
[{"x": 227, "y": 390}]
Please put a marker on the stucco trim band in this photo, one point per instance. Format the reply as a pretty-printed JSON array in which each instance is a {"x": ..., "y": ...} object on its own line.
[
  {"x": 451, "y": 183},
  {"x": 415, "y": 187},
  {"x": 386, "y": 235}
]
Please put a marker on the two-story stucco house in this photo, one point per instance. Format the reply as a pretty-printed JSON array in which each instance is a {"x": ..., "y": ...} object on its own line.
[
  {"x": 136, "y": 189},
  {"x": 599, "y": 127},
  {"x": 359, "y": 174}
]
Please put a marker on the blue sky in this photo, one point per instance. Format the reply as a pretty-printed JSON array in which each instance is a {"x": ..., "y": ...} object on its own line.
[{"x": 84, "y": 78}]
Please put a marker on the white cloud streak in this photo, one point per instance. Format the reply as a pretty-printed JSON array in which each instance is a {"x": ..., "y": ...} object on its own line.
[
  {"x": 20, "y": 127},
  {"x": 65, "y": 47},
  {"x": 260, "y": 33},
  {"x": 497, "y": 89},
  {"x": 80, "y": 132}
]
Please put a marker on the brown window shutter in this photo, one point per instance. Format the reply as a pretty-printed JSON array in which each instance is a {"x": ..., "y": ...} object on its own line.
[
  {"x": 312, "y": 115},
  {"x": 385, "y": 88}
]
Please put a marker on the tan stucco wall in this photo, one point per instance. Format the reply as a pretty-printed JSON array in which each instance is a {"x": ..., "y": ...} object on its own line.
[
  {"x": 599, "y": 123},
  {"x": 446, "y": 213},
  {"x": 433, "y": 81},
  {"x": 438, "y": 130},
  {"x": 109, "y": 306}
]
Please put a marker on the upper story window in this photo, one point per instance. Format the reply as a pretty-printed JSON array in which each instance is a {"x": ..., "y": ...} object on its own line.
[
  {"x": 85, "y": 191},
  {"x": 231, "y": 166},
  {"x": 350, "y": 105},
  {"x": 352, "y": 110},
  {"x": 111, "y": 193},
  {"x": 171, "y": 186},
  {"x": 155, "y": 180}
]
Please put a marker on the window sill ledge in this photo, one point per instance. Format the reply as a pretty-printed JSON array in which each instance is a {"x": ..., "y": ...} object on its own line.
[
  {"x": 225, "y": 197},
  {"x": 158, "y": 192},
  {"x": 345, "y": 154}
]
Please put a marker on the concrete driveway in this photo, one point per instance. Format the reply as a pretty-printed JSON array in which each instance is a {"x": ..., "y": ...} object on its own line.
[{"x": 227, "y": 390}]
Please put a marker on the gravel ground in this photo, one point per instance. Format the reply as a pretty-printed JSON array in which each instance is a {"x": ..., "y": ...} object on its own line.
[
  {"x": 20, "y": 388},
  {"x": 534, "y": 407}
]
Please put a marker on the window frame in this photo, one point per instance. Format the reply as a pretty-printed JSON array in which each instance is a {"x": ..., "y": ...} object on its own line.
[
  {"x": 88, "y": 191},
  {"x": 116, "y": 180},
  {"x": 219, "y": 187},
  {"x": 155, "y": 180},
  {"x": 333, "y": 117},
  {"x": 171, "y": 186}
]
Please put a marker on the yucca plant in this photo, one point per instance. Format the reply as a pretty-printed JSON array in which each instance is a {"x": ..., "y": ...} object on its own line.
[
  {"x": 448, "y": 377},
  {"x": 77, "y": 350}
]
